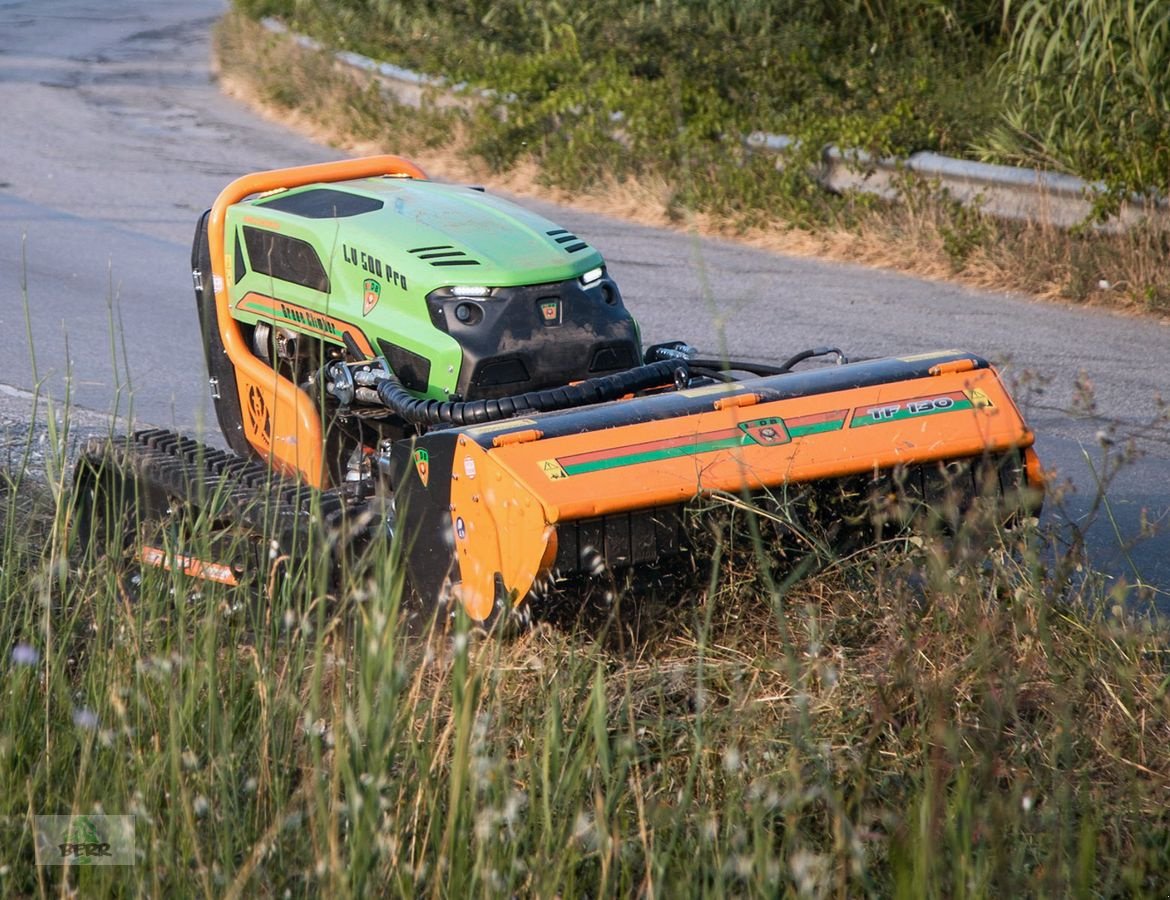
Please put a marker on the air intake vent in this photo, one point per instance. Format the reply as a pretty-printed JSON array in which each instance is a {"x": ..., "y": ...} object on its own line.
[
  {"x": 567, "y": 239},
  {"x": 443, "y": 255}
]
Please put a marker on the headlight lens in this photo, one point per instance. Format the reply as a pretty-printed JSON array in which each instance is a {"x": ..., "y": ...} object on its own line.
[{"x": 475, "y": 291}]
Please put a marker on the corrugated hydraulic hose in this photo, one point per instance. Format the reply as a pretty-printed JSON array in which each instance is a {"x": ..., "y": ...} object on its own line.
[{"x": 475, "y": 412}]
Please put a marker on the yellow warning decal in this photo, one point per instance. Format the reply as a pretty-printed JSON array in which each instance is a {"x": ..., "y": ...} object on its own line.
[
  {"x": 922, "y": 357},
  {"x": 553, "y": 469},
  {"x": 711, "y": 389},
  {"x": 492, "y": 427},
  {"x": 979, "y": 399}
]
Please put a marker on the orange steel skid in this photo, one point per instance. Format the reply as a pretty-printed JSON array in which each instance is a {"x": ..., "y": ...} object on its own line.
[
  {"x": 297, "y": 442},
  {"x": 480, "y": 506}
]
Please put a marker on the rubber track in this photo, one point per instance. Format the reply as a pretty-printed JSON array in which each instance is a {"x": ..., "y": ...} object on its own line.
[{"x": 242, "y": 491}]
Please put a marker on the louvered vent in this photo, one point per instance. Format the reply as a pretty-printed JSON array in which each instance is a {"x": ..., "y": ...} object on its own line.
[
  {"x": 569, "y": 241},
  {"x": 443, "y": 255}
]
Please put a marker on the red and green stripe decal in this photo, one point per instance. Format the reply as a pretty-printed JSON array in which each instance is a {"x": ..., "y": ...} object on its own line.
[
  {"x": 303, "y": 319},
  {"x": 765, "y": 432},
  {"x": 771, "y": 431}
]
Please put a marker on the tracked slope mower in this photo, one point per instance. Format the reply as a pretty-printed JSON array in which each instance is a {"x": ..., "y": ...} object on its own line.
[{"x": 448, "y": 367}]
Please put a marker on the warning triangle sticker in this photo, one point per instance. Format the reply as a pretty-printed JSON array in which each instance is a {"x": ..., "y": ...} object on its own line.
[{"x": 979, "y": 399}]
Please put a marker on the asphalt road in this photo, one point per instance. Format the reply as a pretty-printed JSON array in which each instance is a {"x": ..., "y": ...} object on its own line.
[{"x": 113, "y": 138}]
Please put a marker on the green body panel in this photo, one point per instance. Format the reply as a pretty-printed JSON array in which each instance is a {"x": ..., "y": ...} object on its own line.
[{"x": 386, "y": 251}]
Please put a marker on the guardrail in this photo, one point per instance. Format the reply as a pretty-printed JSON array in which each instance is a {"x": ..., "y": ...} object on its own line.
[{"x": 1007, "y": 192}]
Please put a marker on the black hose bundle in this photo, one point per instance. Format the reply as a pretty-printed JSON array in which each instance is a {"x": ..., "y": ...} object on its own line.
[{"x": 474, "y": 412}]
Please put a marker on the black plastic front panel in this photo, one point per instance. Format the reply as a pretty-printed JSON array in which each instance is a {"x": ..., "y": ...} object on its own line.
[
  {"x": 538, "y": 336},
  {"x": 422, "y": 512}
]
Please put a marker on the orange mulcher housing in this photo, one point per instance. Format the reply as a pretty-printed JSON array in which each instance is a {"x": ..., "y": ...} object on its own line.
[{"x": 500, "y": 506}]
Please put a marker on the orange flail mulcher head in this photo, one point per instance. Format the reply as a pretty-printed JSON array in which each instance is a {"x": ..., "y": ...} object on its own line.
[{"x": 489, "y": 511}]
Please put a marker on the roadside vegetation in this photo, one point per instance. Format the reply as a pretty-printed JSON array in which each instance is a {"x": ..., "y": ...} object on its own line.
[
  {"x": 963, "y": 716},
  {"x": 646, "y": 106}
]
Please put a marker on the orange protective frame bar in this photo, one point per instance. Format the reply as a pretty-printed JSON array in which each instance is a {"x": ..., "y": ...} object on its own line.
[{"x": 297, "y": 441}]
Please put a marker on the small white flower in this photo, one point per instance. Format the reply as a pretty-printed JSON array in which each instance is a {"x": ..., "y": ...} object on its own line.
[
  {"x": 25, "y": 655},
  {"x": 85, "y": 718},
  {"x": 200, "y": 806},
  {"x": 808, "y": 870},
  {"x": 485, "y": 824},
  {"x": 317, "y": 728},
  {"x": 513, "y": 806},
  {"x": 583, "y": 830}
]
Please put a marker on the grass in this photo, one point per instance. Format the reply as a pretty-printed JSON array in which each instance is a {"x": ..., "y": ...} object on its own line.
[
  {"x": 937, "y": 717},
  {"x": 925, "y": 233}
]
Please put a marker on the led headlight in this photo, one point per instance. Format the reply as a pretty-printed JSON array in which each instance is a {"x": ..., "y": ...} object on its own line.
[
  {"x": 473, "y": 291},
  {"x": 592, "y": 276}
]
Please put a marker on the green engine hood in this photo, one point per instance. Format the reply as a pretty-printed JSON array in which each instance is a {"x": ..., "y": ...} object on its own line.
[{"x": 437, "y": 234}]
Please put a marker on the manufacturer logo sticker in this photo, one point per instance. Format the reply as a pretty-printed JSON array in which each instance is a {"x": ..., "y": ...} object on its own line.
[
  {"x": 469, "y": 467},
  {"x": 550, "y": 312},
  {"x": 766, "y": 431},
  {"x": 914, "y": 408},
  {"x": 85, "y": 840},
  {"x": 371, "y": 293},
  {"x": 422, "y": 464},
  {"x": 460, "y": 529},
  {"x": 259, "y": 420}
]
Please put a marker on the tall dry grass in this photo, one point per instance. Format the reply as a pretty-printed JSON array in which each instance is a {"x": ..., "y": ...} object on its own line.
[{"x": 941, "y": 716}]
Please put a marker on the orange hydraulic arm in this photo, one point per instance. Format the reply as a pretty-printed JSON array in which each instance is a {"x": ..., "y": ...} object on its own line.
[{"x": 297, "y": 440}]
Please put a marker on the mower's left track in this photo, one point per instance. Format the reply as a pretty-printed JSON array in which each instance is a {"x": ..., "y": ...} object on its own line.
[{"x": 138, "y": 495}]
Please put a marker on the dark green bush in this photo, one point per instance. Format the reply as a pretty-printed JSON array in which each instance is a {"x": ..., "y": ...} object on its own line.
[
  {"x": 670, "y": 87},
  {"x": 1087, "y": 89}
]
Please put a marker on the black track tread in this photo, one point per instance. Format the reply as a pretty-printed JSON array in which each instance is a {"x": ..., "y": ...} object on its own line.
[{"x": 243, "y": 491}]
